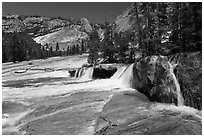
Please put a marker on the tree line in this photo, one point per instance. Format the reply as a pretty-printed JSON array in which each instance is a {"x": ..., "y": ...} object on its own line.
[
  {"x": 19, "y": 46},
  {"x": 160, "y": 28}
]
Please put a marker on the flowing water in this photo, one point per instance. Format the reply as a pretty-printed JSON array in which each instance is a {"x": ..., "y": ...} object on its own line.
[
  {"x": 178, "y": 89},
  {"x": 79, "y": 72},
  {"x": 88, "y": 74},
  {"x": 119, "y": 72},
  {"x": 126, "y": 77},
  {"x": 65, "y": 108}
]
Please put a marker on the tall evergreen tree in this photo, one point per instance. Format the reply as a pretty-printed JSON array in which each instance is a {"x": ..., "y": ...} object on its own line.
[
  {"x": 4, "y": 54},
  {"x": 107, "y": 47},
  {"x": 50, "y": 51},
  {"x": 68, "y": 50},
  {"x": 15, "y": 50},
  {"x": 93, "y": 44},
  {"x": 185, "y": 24}
]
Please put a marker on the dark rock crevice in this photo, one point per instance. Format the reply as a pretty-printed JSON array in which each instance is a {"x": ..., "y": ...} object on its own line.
[{"x": 103, "y": 73}]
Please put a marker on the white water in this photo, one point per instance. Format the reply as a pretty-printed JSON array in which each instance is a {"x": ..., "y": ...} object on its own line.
[
  {"x": 79, "y": 72},
  {"x": 179, "y": 95},
  {"x": 76, "y": 73},
  {"x": 126, "y": 77},
  {"x": 9, "y": 122},
  {"x": 119, "y": 72},
  {"x": 120, "y": 81},
  {"x": 178, "y": 89},
  {"x": 88, "y": 74}
]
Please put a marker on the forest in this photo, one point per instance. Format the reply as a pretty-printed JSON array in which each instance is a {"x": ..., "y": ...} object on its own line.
[
  {"x": 19, "y": 46},
  {"x": 161, "y": 28}
]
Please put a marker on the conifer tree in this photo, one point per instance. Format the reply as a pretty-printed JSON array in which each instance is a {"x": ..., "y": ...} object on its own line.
[
  {"x": 50, "y": 51},
  {"x": 93, "y": 43}
]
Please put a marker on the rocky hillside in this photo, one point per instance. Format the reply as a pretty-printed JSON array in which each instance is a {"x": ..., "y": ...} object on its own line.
[
  {"x": 48, "y": 30},
  {"x": 36, "y": 25},
  {"x": 125, "y": 21},
  {"x": 67, "y": 32}
]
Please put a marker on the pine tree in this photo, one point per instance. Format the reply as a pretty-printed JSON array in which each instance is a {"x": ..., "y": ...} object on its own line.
[
  {"x": 138, "y": 27},
  {"x": 82, "y": 47},
  {"x": 77, "y": 49},
  {"x": 50, "y": 51},
  {"x": 93, "y": 43},
  {"x": 4, "y": 54},
  {"x": 68, "y": 50},
  {"x": 185, "y": 24},
  {"x": 15, "y": 50},
  {"x": 121, "y": 44},
  {"x": 57, "y": 49},
  {"x": 151, "y": 26},
  {"x": 196, "y": 34},
  {"x": 108, "y": 48}
]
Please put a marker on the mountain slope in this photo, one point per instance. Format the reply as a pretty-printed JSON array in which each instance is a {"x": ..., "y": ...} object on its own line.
[
  {"x": 125, "y": 21},
  {"x": 48, "y": 30}
]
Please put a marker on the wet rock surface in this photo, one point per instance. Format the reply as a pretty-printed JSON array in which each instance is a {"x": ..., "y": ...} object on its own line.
[
  {"x": 133, "y": 114},
  {"x": 67, "y": 114},
  {"x": 12, "y": 107},
  {"x": 47, "y": 104}
]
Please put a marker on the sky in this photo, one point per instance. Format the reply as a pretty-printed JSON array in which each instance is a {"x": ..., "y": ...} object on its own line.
[{"x": 96, "y": 12}]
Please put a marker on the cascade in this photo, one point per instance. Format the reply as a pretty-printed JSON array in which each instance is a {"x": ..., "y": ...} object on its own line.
[
  {"x": 119, "y": 72},
  {"x": 82, "y": 71},
  {"x": 76, "y": 73},
  {"x": 79, "y": 72},
  {"x": 88, "y": 73},
  {"x": 126, "y": 76},
  {"x": 178, "y": 89},
  {"x": 179, "y": 95}
]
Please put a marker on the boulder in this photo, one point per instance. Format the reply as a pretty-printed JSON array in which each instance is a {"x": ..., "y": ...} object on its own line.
[
  {"x": 102, "y": 71},
  {"x": 163, "y": 80},
  {"x": 72, "y": 72},
  {"x": 153, "y": 77}
]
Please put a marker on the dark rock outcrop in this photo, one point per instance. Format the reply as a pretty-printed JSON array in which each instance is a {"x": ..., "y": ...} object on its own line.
[
  {"x": 161, "y": 80},
  {"x": 152, "y": 77},
  {"x": 72, "y": 72},
  {"x": 101, "y": 72}
]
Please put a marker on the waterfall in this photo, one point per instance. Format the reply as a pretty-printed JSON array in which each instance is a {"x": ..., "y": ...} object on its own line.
[
  {"x": 88, "y": 74},
  {"x": 126, "y": 76},
  {"x": 119, "y": 72},
  {"x": 77, "y": 72},
  {"x": 80, "y": 72},
  {"x": 178, "y": 89}
]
